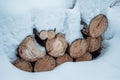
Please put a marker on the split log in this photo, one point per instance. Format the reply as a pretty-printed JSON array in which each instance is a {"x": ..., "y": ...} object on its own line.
[
  {"x": 78, "y": 48},
  {"x": 86, "y": 57},
  {"x": 45, "y": 64},
  {"x": 23, "y": 65},
  {"x": 43, "y": 35},
  {"x": 94, "y": 43},
  {"x": 63, "y": 59},
  {"x": 56, "y": 47},
  {"x": 29, "y": 51},
  {"x": 98, "y": 25}
]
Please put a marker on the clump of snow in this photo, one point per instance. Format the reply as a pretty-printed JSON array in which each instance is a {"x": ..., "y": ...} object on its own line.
[
  {"x": 73, "y": 26},
  {"x": 90, "y": 8}
]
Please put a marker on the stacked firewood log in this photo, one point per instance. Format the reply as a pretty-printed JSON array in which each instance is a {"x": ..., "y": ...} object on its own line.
[{"x": 57, "y": 50}]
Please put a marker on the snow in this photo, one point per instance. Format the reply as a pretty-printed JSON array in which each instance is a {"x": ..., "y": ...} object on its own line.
[
  {"x": 73, "y": 26},
  {"x": 16, "y": 22}
]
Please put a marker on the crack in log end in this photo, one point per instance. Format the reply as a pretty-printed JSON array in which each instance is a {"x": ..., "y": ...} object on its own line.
[{"x": 98, "y": 25}]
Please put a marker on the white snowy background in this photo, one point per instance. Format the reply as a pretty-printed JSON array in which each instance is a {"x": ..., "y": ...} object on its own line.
[{"x": 17, "y": 18}]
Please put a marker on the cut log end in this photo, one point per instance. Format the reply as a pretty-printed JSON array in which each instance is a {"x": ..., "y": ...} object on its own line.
[
  {"x": 23, "y": 65},
  {"x": 98, "y": 25},
  {"x": 78, "y": 48},
  {"x": 29, "y": 51},
  {"x": 45, "y": 64},
  {"x": 56, "y": 47},
  {"x": 94, "y": 43},
  {"x": 86, "y": 57},
  {"x": 51, "y": 34},
  {"x": 43, "y": 35},
  {"x": 63, "y": 59}
]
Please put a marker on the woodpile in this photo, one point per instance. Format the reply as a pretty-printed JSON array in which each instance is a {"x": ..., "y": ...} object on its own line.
[{"x": 57, "y": 50}]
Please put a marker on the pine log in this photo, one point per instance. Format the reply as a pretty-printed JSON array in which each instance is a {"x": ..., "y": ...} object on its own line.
[
  {"x": 29, "y": 51},
  {"x": 98, "y": 25},
  {"x": 23, "y": 65},
  {"x": 45, "y": 64}
]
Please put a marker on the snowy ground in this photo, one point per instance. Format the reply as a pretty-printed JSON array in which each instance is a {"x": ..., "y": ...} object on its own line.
[{"x": 16, "y": 22}]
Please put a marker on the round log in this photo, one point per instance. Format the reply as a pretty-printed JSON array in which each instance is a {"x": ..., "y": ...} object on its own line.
[
  {"x": 51, "y": 34},
  {"x": 98, "y": 25},
  {"x": 63, "y": 59},
  {"x": 78, "y": 48},
  {"x": 45, "y": 64},
  {"x": 43, "y": 35},
  {"x": 86, "y": 57},
  {"x": 23, "y": 65},
  {"x": 29, "y": 51},
  {"x": 94, "y": 43},
  {"x": 56, "y": 47}
]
